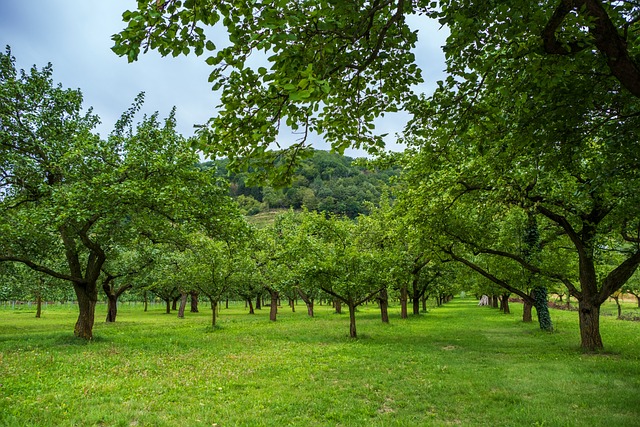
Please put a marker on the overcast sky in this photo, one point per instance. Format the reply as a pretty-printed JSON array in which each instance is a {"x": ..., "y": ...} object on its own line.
[{"x": 75, "y": 36}]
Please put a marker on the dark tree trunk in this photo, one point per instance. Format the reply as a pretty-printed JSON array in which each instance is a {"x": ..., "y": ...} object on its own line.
[
  {"x": 273, "y": 306},
  {"x": 292, "y": 304},
  {"x": 194, "y": 302},
  {"x": 589, "y": 314},
  {"x": 383, "y": 299},
  {"x": 617, "y": 300},
  {"x": 174, "y": 304},
  {"x": 338, "y": 305},
  {"x": 226, "y": 303},
  {"x": 424, "y": 303},
  {"x": 308, "y": 301},
  {"x": 404, "y": 296},
  {"x": 168, "y": 303},
  {"x": 183, "y": 305},
  {"x": 352, "y": 321},
  {"x": 214, "y": 306},
  {"x": 112, "y": 308},
  {"x": 87, "y": 295},
  {"x": 146, "y": 301},
  {"x": 38, "y": 306},
  {"x": 505, "y": 304},
  {"x": 416, "y": 305},
  {"x": 542, "y": 308},
  {"x": 250, "y": 306},
  {"x": 259, "y": 302},
  {"x": 494, "y": 301},
  {"x": 526, "y": 311}
]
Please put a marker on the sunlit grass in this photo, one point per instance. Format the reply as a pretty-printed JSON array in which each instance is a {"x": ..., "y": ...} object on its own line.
[{"x": 456, "y": 365}]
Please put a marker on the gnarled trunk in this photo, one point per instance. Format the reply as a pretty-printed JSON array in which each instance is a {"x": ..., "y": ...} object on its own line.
[
  {"x": 589, "y": 314},
  {"x": 87, "y": 295},
  {"x": 308, "y": 301},
  {"x": 112, "y": 308}
]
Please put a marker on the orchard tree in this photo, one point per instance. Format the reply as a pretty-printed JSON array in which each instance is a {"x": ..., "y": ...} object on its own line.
[{"x": 66, "y": 193}]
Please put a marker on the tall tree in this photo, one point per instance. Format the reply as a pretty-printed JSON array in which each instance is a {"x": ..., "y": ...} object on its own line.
[{"x": 69, "y": 194}]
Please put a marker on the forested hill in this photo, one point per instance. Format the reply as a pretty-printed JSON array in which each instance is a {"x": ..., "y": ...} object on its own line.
[{"x": 325, "y": 182}]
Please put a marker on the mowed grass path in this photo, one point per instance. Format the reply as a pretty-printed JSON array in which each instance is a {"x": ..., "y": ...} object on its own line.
[{"x": 456, "y": 365}]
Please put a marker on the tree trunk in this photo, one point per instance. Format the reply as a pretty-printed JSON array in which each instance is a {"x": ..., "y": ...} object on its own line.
[
  {"x": 214, "y": 306},
  {"x": 38, "y": 306},
  {"x": 292, "y": 304},
  {"x": 174, "y": 305},
  {"x": 424, "y": 302},
  {"x": 589, "y": 313},
  {"x": 146, "y": 299},
  {"x": 183, "y": 305},
  {"x": 338, "y": 305},
  {"x": 250, "y": 306},
  {"x": 259, "y": 302},
  {"x": 273, "y": 306},
  {"x": 308, "y": 301},
  {"x": 526, "y": 312},
  {"x": 168, "y": 304},
  {"x": 383, "y": 299},
  {"x": 403, "y": 302},
  {"x": 226, "y": 303},
  {"x": 494, "y": 301},
  {"x": 505, "y": 304},
  {"x": 617, "y": 300},
  {"x": 542, "y": 308},
  {"x": 194, "y": 302},
  {"x": 112, "y": 307},
  {"x": 87, "y": 295},
  {"x": 352, "y": 321}
]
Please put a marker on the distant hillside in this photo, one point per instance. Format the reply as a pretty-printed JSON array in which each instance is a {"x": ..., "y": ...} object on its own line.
[{"x": 324, "y": 182}]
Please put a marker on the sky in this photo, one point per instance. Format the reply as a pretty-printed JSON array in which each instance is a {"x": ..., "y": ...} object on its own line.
[{"x": 75, "y": 36}]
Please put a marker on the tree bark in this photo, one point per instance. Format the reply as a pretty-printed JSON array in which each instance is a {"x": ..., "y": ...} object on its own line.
[
  {"x": 273, "y": 306},
  {"x": 424, "y": 302},
  {"x": 505, "y": 304},
  {"x": 384, "y": 305},
  {"x": 617, "y": 300},
  {"x": 589, "y": 314},
  {"x": 308, "y": 301},
  {"x": 352, "y": 321},
  {"x": 214, "y": 306},
  {"x": 542, "y": 308},
  {"x": 146, "y": 301},
  {"x": 259, "y": 302},
  {"x": 494, "y": 301},
  {"x": 38, "y": 306},
  {"x": 403, "y": 302},
  {"x": 338, "y": 305},
  {"x": 87, "y": 295},
  {"x": 174, "y": 304},
  {"x": 292, "y": 304},
  {"x": 168, "y": 304},
  {"x": 183, "y": 305},
  {"x": 527, "y": 308},
  {"x": 194, "y": 302},
  {"x": 112, "y": 308},
  {"x": 250, "y": 306}
]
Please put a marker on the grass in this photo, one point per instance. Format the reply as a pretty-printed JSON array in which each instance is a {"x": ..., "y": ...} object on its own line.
[{"x": 456, "y": 365}]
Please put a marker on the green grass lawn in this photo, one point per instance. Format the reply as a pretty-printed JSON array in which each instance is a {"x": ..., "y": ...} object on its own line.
[{"x": 456, "y": 365}]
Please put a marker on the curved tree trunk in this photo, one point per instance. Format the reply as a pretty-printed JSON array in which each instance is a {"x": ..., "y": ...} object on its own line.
[
  {"x": 308, "y": 301},
  {"x": 250, "y": 306},
  {"x": 617, "y": 300},
  {"x": 87, "y": 295},
  {"x": 292, "y": 304},
  {"x": 383, "y": 299},
  {"x": 404, "y": 296}
]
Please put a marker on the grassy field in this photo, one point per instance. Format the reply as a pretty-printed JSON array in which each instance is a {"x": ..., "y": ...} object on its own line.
[{"x": 456, "y": 365}]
